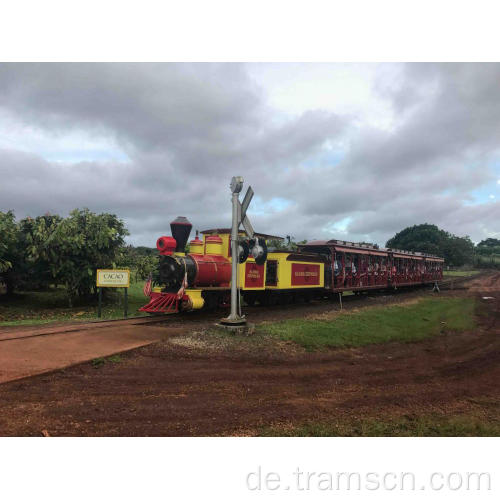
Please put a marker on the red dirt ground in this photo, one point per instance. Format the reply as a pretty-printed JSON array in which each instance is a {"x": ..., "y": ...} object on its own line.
[
  {"x": 177, "y": 387},
  {"x": 31, "y": 350}
]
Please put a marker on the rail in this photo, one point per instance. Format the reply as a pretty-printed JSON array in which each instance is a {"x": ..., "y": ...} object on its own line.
[{"x": 457, "y": 282}]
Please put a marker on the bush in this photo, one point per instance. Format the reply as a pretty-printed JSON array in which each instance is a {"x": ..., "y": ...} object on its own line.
[{"x": 50, "y": 249}]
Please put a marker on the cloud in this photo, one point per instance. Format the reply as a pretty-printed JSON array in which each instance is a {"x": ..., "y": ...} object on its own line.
[{"x": 176, "y": 134}]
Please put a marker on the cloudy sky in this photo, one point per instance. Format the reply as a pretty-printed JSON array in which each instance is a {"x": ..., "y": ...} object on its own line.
[{"x": 353, "y": 151}]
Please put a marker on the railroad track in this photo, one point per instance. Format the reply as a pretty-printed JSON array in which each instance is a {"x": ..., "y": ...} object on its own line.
[
  {"x": 458, "y": 282},
  {"x": 200, "y": 316},
  {"x": 72, "y": 327}
]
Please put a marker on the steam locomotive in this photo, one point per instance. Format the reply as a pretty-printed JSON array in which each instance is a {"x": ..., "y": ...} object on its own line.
[{"x": 201, "y": 278}]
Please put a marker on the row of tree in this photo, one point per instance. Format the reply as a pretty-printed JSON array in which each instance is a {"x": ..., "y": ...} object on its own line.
[
  {"x": 53, "y": 250},
  {"x": 50, "y": 249},
  {"x": 456, "y": 250}
]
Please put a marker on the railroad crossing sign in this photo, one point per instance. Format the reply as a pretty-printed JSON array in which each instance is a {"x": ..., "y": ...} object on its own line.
[
  {"x": 257, "y": 246},
  {"x": 243, "y": 212}
]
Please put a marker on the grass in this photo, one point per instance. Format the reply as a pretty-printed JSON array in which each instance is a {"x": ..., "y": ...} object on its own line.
[
  {"x": 430, "y": 426},
  {"x": 32, "y": 308},
  {"x": 459, "y": 273},
  {"x": 404, "y": 323},
  {"x": 98, "y": 362}
]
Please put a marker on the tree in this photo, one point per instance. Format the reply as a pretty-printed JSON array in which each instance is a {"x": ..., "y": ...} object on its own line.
[
  {"x": 278, "y": 245},
  {"x": 38, "y": 267},
  {"x": 489, "y": 246},
  {"x": 85, "y": 241},
  {"x": 145, "y": 266},
  {"x": 489, "y": 243},
  {"x": 287, "y": 244},
  {"x": 488, "y": 253},
  {"x": 9, "y": 249},
  {"x": 458, "y": 250},
  {"x": 70, "y": 250},
  {"x": 131, "y": 256},
  {"x": 428, "y": 238}
]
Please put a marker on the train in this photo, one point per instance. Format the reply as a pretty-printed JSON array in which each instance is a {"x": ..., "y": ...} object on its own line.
[{"x": 201, "y": 277}]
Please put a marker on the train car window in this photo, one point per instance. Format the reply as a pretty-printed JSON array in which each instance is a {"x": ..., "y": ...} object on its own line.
[
  {"x": 348, "y": 263},
  {"x": 272, "y": 273},
  {"x": 362, "y": 264},
  {"x": 355, "y": 264},
  {"x": 337, "y": 264}
]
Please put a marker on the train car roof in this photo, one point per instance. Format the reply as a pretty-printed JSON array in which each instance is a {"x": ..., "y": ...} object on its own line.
[
  {"x": 406, "y": 254},
  {"x": 228, "y": 231},
  {"x": 343, "y": 246}
]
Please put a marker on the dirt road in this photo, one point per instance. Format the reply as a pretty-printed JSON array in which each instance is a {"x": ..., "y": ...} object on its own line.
[
  {"x": 31, "y": 350},
  {"x": 174, "y": 388},
  {"x": 26, "y": 352}
]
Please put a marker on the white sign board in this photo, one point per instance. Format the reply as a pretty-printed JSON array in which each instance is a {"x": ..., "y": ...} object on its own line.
[{"x": 119, "y": 278}]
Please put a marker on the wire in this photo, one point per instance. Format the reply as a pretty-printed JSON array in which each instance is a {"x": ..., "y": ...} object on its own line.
[{"x": 238, "y": 288}]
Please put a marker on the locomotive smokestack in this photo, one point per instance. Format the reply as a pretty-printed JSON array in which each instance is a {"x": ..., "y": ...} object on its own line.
[{"x": 181, "y": 228}]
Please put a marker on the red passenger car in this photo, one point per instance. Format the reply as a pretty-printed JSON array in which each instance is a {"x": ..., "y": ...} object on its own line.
[{"x": 358, "y": 266}]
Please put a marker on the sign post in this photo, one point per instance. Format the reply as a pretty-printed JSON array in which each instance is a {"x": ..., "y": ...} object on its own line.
[
  {"x": 235, "y": 319},
  {"x": 99, "y": 308},
  {"x": 113, "y": 278}
]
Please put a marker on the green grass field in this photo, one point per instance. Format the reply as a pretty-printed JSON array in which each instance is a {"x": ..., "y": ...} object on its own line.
[
  {"x": 430, "y": 426},
  {"x": 404, "y": 323},
  {"x": 28, "y": 308},
  {"x": 459, "y": 273}
]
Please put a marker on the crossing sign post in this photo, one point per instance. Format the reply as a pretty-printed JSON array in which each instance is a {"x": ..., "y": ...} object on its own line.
[{"x": 235, "y": 319}]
